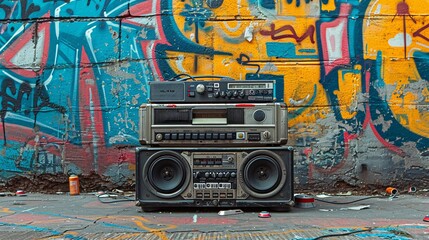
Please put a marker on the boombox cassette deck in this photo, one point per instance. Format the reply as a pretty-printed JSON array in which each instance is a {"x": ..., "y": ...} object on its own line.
[{"x": 213, "y": 124}]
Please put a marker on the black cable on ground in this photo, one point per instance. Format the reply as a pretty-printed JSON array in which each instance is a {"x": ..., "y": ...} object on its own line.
[
  {"x": 357, "y": 200},
  {"x": 343, "y": 234}
]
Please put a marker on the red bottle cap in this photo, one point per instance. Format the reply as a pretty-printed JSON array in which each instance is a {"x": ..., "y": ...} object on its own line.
[{"x": 264, "y": 214}]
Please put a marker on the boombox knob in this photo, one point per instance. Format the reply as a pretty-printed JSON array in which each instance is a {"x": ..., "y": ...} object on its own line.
[
  {"x": 158, "y": 137},
  {"x": 207, "y": 175},
  {"x": 259, "y": 115},
  {"x": 266, "y": 135},
  {"x": 200, "y": 88},
  {"x": 233, "y": 174}
]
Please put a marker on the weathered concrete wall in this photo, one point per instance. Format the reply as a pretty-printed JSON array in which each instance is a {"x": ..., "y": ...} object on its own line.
[{"x": 355, "y": 76}]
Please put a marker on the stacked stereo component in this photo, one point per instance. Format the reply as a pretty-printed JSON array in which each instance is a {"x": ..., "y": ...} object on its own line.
[{"x": 214, "y": 144}]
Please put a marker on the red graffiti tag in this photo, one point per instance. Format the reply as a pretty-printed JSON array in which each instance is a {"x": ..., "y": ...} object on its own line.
[
  {"x": 418, "y": 33},
  {"x": 276, "y": 33}
]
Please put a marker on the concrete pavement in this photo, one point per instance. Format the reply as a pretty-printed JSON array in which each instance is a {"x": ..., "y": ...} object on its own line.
[{"x": 42, "y": 216}]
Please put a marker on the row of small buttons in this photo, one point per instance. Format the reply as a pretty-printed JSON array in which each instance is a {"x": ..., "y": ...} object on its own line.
[
  {"x": 198, "y": 136},
  {"x": 215, "y": 195}
]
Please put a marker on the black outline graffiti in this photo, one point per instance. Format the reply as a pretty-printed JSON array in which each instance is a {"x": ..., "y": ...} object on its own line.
[
  {"x": 40, "y": 100},
  {"x": 26, "y": 11},
  {"x": 246, "y": 62}
]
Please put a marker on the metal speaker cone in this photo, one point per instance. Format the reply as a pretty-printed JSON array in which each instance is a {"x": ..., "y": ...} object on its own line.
[
  {"x": 263, "y": 174},
  {"x": 166, "y": 172}
]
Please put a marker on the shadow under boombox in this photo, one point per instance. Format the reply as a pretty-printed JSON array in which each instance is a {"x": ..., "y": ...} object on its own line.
[{"x": 215, "y": 177}]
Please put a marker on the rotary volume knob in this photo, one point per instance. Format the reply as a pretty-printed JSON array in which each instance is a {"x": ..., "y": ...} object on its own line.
[
  {"x": 259, "y": 115},
  {"x": 200, "y": 88}
]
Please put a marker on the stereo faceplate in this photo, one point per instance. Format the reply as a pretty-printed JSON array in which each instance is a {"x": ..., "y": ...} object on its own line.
[
  {"x": 260, "y": 124},
  {"x": 254, "y": 91}
]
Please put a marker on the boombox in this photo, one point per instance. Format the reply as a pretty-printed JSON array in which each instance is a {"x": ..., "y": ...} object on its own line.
[
  {"x": 214, "y": 177},
  {"x": 227, "y": 124}
]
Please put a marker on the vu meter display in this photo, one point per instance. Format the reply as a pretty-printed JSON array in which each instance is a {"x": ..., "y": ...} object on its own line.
[{"x": 250, "y": 86}]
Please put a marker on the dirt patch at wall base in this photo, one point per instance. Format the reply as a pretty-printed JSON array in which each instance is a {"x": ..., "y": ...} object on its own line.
[{"x": 53, "y": 183}]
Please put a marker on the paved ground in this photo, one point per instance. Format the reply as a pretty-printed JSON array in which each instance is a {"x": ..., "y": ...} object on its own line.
[{"x": 41, "y": 216}]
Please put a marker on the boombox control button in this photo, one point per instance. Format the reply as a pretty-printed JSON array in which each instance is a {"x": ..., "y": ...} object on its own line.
[
  {"x": 259, "y": 115},
  {"x": 181, "y": 136},
  {"x": 167, "y": 136},
  {"x": 188, "y": 136},
  {"x": 208, "y": 136},
  {"x": 222, "y": 136},
  {"x": 254, "y": 136},
  {"x": 202, "y": 136},
  {"x": 207, "y": 174},
  {"x": 235, "y": 94},
  {"x": 229, "y": 136},
  {"x": 215, "y": 136},
  {"x": 241, "y": 94},
  {"x": 216, "y": 94},
  {"x": 233, "y": 174},
  {"x": 229, "y": 94},
  {"x": 194, "y": 136},
  {"x": 158, "y": 136},
  {"x": 174, "y": 136},
  {"x": 223, "y": 94},
  {"x": 220, "y": 175}
]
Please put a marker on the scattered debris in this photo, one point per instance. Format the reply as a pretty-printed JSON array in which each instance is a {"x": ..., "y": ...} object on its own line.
[
  {"x": 20, "y": 193},
  {"x": 304, "y": 201},
  {"x": 357, "y": 208},
  {"x": 326, "y": 210},
  {"x": 392, "y": 191},
  {"x": 426, "y": 218},
  {"x": 264, "y": 214},
  {"x": 323, "y": 196},
  {"x": 412, "y": 189},
  {"x": 74, "y": 185},
  {"x": 349, "y": 193},
  {"x": 230, "y": 212}
]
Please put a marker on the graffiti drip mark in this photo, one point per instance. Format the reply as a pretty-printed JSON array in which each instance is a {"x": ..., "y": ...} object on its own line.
[
  {"x": 418, "y": 33},
  {"x": 402, "y": 9},
  {"x": 245, "y": 60},
  {"x": 274, "y": 33}
]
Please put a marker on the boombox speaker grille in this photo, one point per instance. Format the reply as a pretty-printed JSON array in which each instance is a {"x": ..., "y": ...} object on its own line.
[
  {"x": 263, "y": 173},
  {"x": 167, "y": 174}
]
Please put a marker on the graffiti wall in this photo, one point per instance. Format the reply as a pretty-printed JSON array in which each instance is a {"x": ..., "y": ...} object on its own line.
[{"x": 355, "y": 75}]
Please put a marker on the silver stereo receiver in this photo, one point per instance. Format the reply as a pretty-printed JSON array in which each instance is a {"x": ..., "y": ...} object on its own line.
[
  {"x": 225, "y": 91},
  {"x": 246, "y": 124}
]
